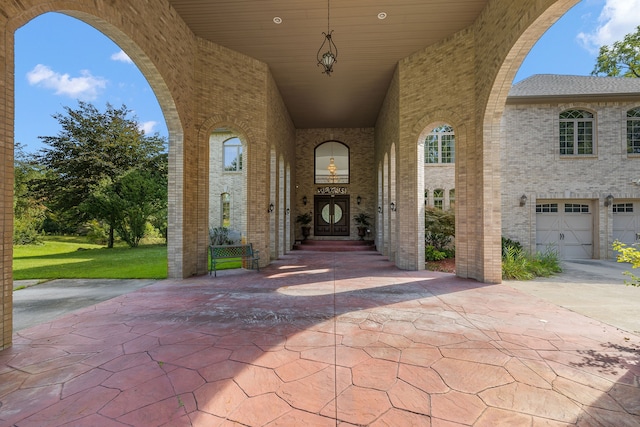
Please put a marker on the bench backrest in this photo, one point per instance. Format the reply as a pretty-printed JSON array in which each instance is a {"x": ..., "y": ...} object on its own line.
[{"x": 231, "y": 251}]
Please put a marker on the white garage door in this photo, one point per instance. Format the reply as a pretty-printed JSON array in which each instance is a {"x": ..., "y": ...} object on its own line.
[
  {"x": 626, "y": 222},
  {"x": 567, "y": 227}
]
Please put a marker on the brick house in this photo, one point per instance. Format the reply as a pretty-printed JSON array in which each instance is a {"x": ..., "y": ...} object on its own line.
[{"x": 570, "y": 164}]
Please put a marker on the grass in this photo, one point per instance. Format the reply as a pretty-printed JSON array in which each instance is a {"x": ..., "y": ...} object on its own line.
[
  {"x": 70, "y": 257},
  {"x": 75, "y": 258}
]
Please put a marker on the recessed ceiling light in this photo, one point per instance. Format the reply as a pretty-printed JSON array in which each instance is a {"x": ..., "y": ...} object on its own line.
[
  {"x": 277, "y": 20},
  {"x": 382, "y": 15}
]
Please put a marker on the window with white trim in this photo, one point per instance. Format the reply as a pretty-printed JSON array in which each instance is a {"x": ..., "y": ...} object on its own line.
[
  {"x": 623, "y": 208},
  {"x": 439, "y": 146},
  {"x": 576, "y": 133},
  {"x": 547, "y": 208},
  {"x": 232, "y": 157},
  {"x": 576, "y": 208},
  {"x": 225, "y": 201},
  {"x": 633, "y": 131},
  {"x": 438, "y": 198}
]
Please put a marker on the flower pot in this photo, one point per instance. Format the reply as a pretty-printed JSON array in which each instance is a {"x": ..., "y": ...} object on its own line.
[
  {"x": 306, "y": 231},
  {"x": 362, "y": 231}
]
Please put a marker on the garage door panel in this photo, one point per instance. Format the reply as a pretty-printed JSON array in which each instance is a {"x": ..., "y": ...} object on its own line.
[
  {"x": 626, "y": 222},
  {"x": 567, "y": 227}
]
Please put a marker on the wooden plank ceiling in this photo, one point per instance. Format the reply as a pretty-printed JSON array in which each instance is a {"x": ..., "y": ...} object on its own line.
[{"x": 368, "y": 47}]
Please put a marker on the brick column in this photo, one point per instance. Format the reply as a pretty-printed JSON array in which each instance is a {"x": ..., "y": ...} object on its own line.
[{"x": 6, "y": 189}]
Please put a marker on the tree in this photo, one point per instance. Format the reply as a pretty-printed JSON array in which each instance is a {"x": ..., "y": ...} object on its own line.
[
  {"x": 28, "y": 211},
  {"x": 92, "y": 148},
  {"x": 129, "y": 202},
  {"x": 622, "y": 59}
]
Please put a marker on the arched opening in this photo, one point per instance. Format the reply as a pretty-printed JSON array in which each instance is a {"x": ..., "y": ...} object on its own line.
[
  {"x": 228, "y": 176},
  {"x": 110, "y": 70}
]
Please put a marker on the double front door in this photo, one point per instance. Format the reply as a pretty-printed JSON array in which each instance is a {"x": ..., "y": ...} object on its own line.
[{"x": 331, "y": 216}]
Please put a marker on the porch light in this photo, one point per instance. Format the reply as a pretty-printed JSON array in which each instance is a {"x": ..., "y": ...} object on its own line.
[
  {"x": 523, "y": 200},
  {"x": 608, "y": 200},
  {"x": 304, "y": 200},
  {"x": 271, "y": 207},
  {"x": 358, "y": 199},
  {"x": 328, "y": 58},
  {"x": 392, "y": 206}
]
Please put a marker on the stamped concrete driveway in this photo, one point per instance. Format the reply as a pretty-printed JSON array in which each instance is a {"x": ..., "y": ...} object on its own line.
[{"x": 322, "y": 339}]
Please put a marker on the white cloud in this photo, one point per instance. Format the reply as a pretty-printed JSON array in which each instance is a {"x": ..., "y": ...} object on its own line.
[
  {"x": 86, "y": 86},
  {"x": 617, "y": 19},
  {"x": 122, "y": 57},
  {"x": 147, "y": 127}
]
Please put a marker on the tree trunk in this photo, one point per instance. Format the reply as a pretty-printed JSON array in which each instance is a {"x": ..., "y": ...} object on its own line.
[{"x": 110, "y": 244}]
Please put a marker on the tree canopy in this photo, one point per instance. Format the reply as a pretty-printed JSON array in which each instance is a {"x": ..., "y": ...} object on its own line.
[{"x": 622, "y": 59}]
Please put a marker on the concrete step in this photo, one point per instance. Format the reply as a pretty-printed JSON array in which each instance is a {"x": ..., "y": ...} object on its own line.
[{"x": 335, "y": 245}]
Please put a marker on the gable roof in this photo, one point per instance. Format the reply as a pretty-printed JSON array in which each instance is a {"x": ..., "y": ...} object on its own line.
[{"x": 556, "y": 87}]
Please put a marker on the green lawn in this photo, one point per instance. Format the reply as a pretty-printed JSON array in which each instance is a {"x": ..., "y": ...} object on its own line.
[
  {"x": 74, "y": 258},
  {"x": 67, "y": 257}
]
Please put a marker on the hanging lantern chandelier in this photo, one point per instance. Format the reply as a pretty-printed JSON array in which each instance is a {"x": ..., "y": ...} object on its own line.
[{"x": 330, "y": 56}]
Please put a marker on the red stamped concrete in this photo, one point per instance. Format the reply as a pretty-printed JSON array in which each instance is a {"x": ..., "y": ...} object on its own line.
[{"x": 322, "y": 339}]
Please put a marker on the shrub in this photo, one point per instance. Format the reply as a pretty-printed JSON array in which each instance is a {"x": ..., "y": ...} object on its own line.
[
  {"x": 628, "y": 254},
  {"x": 517, "y": 264},
  {"x": 25, "y": 232},
  {"x": 96, "y": 232},
  {"x": 508, "y": 243},
  {"x": 223, "y": 236},
  {"x": 432, "y": 254},
  {"x": 439, "y": 228}
]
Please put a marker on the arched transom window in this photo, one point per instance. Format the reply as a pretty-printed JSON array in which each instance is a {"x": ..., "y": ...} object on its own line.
[
  {"x": 576, "y": 133},
  {"x": 332, "y": 163},
  {"x": 232, "y": 155},
  {"x": 439, "y": 147},
  {"x": 633, "y": 131}
]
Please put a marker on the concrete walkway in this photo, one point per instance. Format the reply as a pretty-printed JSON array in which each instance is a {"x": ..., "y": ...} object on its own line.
[
  {"x": 323, "y": 339},
  {"x": 594, "y": 288}
]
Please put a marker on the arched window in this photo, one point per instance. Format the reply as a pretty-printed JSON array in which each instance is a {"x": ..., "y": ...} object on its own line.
[
  {"x": 633, "y": 131},
  {"x": 332, "y": 163},
  {"x": 225, "y": 202},
  {"x": 576, "y": 133},
  {"x": 232, "y": 155},
  {"x": 438, "y": 198},
  {"x": 439, "y": 147}
]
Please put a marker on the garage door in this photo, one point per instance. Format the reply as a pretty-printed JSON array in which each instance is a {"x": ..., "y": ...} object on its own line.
[
  {"x": 626, "y": 222},
  {"x": 567, "y": 227}
]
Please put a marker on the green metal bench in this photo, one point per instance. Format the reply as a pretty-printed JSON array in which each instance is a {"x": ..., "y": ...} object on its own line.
[{"x": 228, "y": 253}]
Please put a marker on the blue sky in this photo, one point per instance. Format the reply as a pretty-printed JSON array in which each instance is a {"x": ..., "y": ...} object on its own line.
[{"x": 60, "y": 59}]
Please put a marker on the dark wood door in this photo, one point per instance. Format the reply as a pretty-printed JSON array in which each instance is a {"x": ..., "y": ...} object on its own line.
[{"x": 331, "y": 216}]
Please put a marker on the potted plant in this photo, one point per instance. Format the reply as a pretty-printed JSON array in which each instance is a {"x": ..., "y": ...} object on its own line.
[
  {"x": 362, "y": 220},
  {"x": 304, "y": 219}
]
